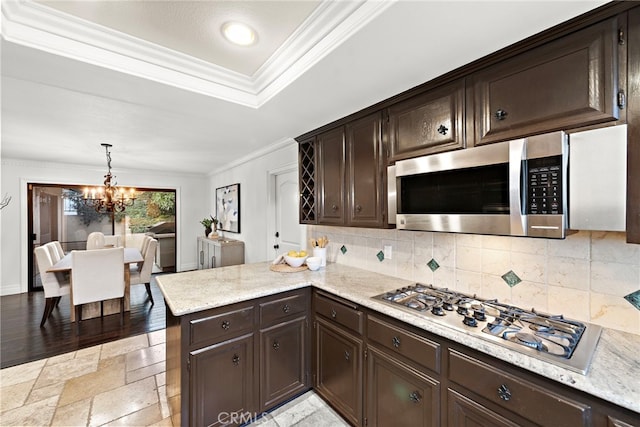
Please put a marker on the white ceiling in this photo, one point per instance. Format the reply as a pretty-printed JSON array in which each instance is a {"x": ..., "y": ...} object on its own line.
[{"x": 154, "y": 79}]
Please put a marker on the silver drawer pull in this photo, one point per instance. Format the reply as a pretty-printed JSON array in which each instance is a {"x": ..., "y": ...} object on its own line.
[
  {"x": 504, "y": 393},
  {"x": 226, "y": 325},
  {"x": 276, "y": 345},
  {"x": 333, "y": 313},
  {"x": 286, "y": 308},
  {"x": 396, "y": 342},
  {"x": 347, "y": 355},
  {"x": 236, "y": 359}
]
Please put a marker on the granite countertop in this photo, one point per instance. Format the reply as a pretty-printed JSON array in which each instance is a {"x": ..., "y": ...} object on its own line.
[{"x": 612, "y": 376}]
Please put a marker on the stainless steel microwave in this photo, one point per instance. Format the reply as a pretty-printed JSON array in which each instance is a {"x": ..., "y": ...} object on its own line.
[{"x": 515, "y": 188}]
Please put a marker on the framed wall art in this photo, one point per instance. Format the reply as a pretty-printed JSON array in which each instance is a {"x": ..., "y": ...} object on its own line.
[{"x": 228, "y": 208}]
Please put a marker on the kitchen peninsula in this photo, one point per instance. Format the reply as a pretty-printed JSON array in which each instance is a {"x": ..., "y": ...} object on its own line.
[{"x": 246, "y": 313}]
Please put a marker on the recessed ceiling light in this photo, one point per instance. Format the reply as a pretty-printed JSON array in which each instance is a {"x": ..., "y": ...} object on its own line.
[{"x": 239, "y": 33}]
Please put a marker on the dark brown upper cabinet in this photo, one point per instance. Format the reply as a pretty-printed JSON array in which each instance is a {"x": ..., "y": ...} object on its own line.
[
  {"x": 567, "y": 83},
  {"x": 427, "y": 123},
  {"x": 350, "y": 173},
  {"x": 366, "y": 170},
  {"x": 330, "y": 166},
  {"x": 633, "y": 129}
]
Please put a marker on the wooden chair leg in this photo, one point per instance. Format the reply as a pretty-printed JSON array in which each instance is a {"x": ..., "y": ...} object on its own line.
[
  {"x": 78, "y": 318},
  {"x": 122, "y": 311},
  {"x": 48, "y": 308},
  {"x": 58, "y": 301},
  {"x": 148, "y": 286}
]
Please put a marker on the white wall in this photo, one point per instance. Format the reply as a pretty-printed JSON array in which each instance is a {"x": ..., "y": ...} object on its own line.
[
  {"x": 192, "y": 199},
  {"x": 252, "y": 173}
]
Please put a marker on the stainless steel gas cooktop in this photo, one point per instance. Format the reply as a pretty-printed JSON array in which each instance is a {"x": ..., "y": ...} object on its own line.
[{"x": 564, "y": 342}]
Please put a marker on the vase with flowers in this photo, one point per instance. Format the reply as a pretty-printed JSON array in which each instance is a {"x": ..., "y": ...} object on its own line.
[{"x": 210, "y": 224}]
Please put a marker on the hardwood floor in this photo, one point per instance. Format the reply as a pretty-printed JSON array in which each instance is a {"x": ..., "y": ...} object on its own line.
[{"x": 22, "y": 340}]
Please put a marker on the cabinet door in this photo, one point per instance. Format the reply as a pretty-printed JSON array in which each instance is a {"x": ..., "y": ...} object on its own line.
[
  {"x": 222, "y": 383},
  {"x": 567, "y": 83},
  {"x": 331, "y": 177},
  {"x": 464, "y": 412},
  {"x": 203, "y": 254},
  {"x": 282, "y": 362},
  {"x": 339, "y": 370},
  {"x": 428, "y": 123},
  {"x": 364, "y": 180},
  {"x": 399, "y": 395}
]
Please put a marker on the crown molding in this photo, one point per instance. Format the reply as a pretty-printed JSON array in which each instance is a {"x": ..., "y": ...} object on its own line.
[
  {"x": 278, "y": 145},
  {"x": 31, "y": 24}
]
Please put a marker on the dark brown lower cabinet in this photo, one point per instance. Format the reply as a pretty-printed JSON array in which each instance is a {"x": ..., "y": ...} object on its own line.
[
  {"x": 464, "y": 412},
  {"x": 339, "y": 374},
  {"x": 282, "y": 361},
  {"x": 222, "y": 377},
  {"x": 399, "y": 395},
  {"x": 227, "y": 365}
]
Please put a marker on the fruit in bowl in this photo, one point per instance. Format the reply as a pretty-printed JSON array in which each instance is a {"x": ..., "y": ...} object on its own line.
[{"x": 295, "y": 258}]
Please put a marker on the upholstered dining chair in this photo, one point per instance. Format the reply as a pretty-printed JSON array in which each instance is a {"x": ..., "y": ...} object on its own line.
[
  {"x": 95, "y": 240},
  {"x": 97, "y": 275},
  {"x": 54, "y": 284},
  {"x": 141, "y": 273},
  {"x": 113, "y": 241},
  {"x": 55, "y": 251}
]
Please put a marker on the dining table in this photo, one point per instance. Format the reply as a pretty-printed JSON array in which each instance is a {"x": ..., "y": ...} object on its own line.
[{"x": 131, "y": 256}]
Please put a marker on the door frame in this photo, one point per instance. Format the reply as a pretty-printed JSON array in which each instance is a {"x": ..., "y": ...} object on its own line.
[
  {"x": 271, "y": 207},
  {"x": 26, "y": 263}
]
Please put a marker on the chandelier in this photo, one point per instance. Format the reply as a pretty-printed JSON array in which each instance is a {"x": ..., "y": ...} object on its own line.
[{"x": 109, "y": 198}]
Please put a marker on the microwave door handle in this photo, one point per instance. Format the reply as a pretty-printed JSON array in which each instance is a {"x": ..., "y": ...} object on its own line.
[{"x": 517, "y": 219}]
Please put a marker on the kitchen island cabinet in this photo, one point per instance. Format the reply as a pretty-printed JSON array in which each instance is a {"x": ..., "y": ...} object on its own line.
[
  {"x": 431, "y": 356},
  {"x": 284, "y": 348},
  {"x": 213, "y": 374}
]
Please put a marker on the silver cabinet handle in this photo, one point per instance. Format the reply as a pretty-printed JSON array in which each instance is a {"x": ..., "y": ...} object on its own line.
[
  {"x": 504, "y": 393},
  {"x": 396, "y": 342},
  {"x": 226, "y": 325},
  {"x": 333, "y": 313},
  {"x": 235, "y": 359},
  {"x": 415, "y": 397}
]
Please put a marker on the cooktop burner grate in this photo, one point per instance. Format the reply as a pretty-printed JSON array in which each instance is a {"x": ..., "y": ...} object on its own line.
[{"x": 567, "y": 343}]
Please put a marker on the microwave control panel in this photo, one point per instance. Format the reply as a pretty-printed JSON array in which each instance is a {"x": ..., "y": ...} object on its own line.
[{"x": 544, "y": 183}]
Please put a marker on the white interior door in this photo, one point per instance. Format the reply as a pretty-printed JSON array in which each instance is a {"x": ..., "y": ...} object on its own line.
[{"x": 286, "y": 231}]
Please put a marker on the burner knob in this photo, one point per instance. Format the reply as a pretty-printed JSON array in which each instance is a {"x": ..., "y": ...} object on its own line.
[
  {"x": 479, "y": 314},
  {"x": 461, "y": 310},
  {"x": 447, "y": 306},
  {"x": 437, "y": 310},
  {"x": 470, "y": 321}
]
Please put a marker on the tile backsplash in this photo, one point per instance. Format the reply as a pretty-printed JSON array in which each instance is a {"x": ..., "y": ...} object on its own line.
[{"x": 585, "y": 276}]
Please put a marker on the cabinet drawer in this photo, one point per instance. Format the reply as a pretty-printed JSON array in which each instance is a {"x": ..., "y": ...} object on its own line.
[
  {"x": 279, "y": 309},
  {"x": 336, "y": 311},
  {"x": 221, "y": 326},
  {"x": 412, "y": 346},
  {"x": 528, "y": 400}
]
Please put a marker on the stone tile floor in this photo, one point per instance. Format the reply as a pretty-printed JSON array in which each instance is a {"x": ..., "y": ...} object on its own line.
[{"x": 121, "y": 383}]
